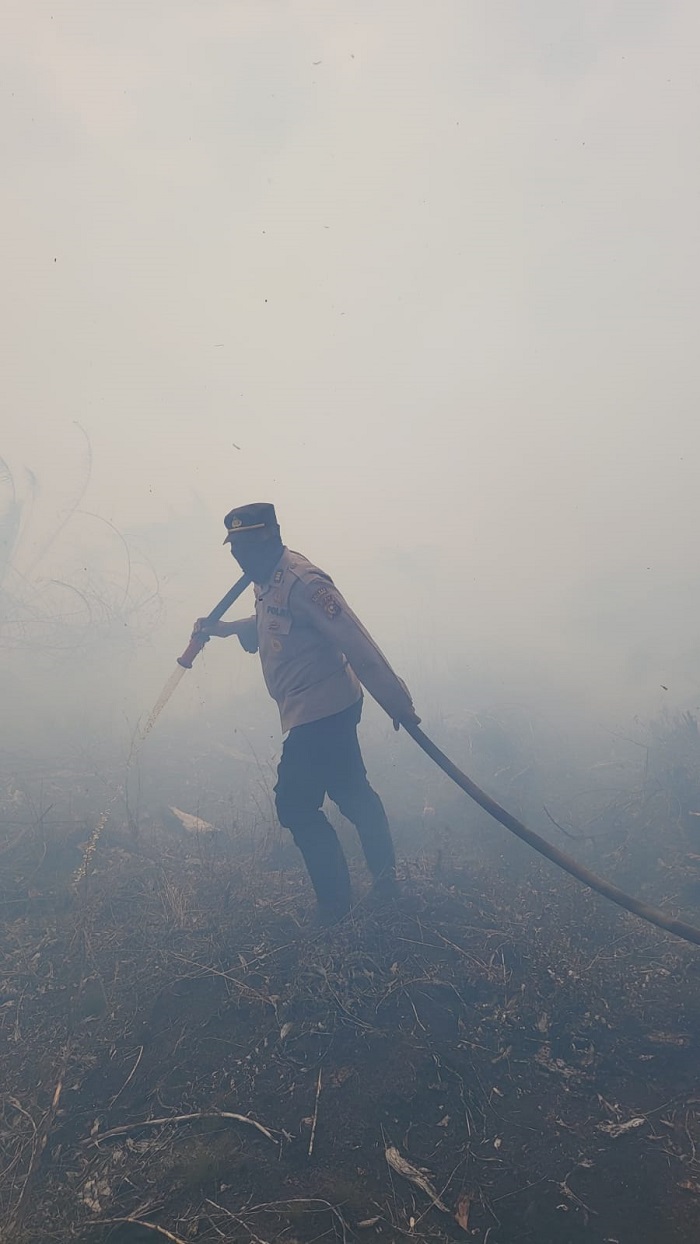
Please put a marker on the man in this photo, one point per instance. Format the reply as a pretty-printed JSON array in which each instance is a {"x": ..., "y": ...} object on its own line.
[{"x": 315, "y": 653}]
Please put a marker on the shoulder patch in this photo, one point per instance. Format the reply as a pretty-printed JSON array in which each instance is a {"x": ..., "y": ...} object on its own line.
[{"x": 327, "y": 601}]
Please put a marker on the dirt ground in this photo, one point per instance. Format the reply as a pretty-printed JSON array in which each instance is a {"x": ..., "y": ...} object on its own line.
[{"x": 185, "y": 1056}]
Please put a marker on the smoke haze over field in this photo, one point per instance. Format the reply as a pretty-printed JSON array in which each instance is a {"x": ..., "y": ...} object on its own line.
[{"x": 425, "y": 276}]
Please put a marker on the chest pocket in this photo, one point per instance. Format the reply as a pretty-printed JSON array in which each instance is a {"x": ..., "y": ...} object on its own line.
[{"x": 274, "y": 618}]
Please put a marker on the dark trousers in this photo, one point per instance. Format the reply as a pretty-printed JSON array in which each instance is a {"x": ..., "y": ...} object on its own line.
[{"x": 324, "y": 758}]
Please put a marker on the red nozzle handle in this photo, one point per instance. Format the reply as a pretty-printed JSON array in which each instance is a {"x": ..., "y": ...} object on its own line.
[
  {"x": 192, "y": 650},
  {"x": 199, "y": 639}
]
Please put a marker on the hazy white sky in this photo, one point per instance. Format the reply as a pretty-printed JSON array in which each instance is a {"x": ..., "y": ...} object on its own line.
[{"x": 423, "y": 274}]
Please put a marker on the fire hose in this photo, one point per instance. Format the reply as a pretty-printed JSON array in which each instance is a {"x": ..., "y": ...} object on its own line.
[
  {"x": 645, "y": 911},
  {"x": 652, "y": 915}
]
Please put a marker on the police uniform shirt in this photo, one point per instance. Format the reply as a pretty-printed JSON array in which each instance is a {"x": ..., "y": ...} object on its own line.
[{"x": 314, "y": 650}]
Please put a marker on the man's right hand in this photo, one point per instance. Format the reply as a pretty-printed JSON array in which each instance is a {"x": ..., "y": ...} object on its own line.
[{"x": 203, "y": 626}]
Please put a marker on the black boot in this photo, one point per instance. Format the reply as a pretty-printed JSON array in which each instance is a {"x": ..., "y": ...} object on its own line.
[
  {"x": 326, "y": 866},
  {"x": 366, "y": 811}
]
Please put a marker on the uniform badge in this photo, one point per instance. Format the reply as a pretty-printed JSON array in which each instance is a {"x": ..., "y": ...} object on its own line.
[
  {"x": 328, "y": 602},
  {"x": 276, "y": 645},
  {"x": 278, "y": 576}
]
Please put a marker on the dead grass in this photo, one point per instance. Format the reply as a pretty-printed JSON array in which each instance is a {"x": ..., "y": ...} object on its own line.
[{"x": 227, "y": 1071}]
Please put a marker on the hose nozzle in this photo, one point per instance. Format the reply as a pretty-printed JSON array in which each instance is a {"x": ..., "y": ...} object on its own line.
[{"x": 193, "y": 649}]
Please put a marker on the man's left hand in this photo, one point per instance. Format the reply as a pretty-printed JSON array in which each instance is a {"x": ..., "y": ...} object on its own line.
[{"x": 407, "y": 719}]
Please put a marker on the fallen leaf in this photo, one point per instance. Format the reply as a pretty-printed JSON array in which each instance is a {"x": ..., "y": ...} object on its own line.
[
  {"x": 338, "y": 1077},
  {"x": 621, "y": 1129},
  {"x": 193, "y": 824},
  {"x": 416, "y": 1176},
  {"x": 462, "y": 1215}
]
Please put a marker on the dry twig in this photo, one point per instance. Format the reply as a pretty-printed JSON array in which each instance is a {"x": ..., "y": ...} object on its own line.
[
  {"x": 39, "y": 1142},
  {"x": 130, "y": 1077},
  {"x": 180, "y": 1118},
  {"x": 315, "y": 1119},
  {"x": 150, "y": 1226}
]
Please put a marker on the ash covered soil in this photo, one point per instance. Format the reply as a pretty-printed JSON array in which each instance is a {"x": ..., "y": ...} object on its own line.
[{"x": 185, "y": 1057}]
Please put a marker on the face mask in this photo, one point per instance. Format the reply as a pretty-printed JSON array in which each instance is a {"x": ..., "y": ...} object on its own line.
[
  {"x": 256, "y": 560},
  {"x": 248, "y": 560}
]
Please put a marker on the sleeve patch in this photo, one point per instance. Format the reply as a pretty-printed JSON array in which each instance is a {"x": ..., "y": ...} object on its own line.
[{"x": 327, "y": 601}]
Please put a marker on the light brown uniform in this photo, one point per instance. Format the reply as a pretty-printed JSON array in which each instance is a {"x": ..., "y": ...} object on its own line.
[{"x": 314, "y": 649}]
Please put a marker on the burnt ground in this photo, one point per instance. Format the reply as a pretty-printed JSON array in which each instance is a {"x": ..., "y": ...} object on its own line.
[{"x": 530, "y": 1051}]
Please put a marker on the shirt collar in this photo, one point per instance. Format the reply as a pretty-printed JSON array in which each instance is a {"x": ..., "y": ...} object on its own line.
[{"x": 262, "y": 587}]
